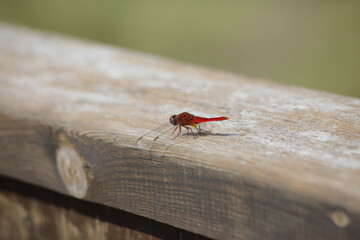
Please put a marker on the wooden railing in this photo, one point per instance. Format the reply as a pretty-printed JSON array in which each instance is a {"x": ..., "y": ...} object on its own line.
[{"x": 286, "y": 165}]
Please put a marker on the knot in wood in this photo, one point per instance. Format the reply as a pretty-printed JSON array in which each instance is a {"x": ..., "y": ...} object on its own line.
[
  {"x": 70, "y": 166},
  {"x": 340, "y": 218}
]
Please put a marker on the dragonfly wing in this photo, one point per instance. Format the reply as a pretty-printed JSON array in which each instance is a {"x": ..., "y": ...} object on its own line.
[
  {"x": 164, "y": 137},
  {"x": 205, "y": 128},
  {"x": 146, "y": 140}
]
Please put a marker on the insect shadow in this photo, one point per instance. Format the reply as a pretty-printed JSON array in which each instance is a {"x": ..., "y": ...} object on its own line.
[{"x": 209, "y": 133}]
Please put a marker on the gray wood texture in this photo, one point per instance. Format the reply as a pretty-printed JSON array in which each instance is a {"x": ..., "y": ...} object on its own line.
[{"x": 286, "y": 165}]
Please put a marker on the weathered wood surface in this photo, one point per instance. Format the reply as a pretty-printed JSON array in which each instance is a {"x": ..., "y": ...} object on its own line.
[
  {"x": 30, "y": 212},
  {"x": 286, "y": 165}
]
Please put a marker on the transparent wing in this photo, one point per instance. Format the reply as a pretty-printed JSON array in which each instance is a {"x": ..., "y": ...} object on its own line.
[
  {"x": 166, "y": 136},
  {"x": 205, "y": 128},
  {"x": 146, "y": 140}
]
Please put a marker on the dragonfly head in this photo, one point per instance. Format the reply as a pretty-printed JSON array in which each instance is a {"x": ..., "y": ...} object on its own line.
[{"x": 173, "y": 120}]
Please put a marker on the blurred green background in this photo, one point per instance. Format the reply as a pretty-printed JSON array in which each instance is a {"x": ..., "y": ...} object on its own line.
[{"x": 314, "y": 44}]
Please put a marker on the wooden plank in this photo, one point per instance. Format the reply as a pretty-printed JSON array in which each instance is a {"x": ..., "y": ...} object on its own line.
[
  {"x": 29, "y": 212},
  {"x": 286, "y": 164}
]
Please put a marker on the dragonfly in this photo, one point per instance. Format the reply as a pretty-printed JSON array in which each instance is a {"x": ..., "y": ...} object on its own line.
[{"x": 177, "y": 122}]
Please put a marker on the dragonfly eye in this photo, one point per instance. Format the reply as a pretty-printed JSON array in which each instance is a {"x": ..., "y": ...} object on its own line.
[{"x": 173, "y": 120}]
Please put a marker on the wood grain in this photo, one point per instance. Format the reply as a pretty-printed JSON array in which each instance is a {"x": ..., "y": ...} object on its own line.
[
  {"x": 30, "y": 212},
  {"x": 286, "y": 165}
]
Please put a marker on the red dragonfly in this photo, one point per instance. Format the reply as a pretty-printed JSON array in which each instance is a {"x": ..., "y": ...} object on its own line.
[{"x": 185, "y": 120}]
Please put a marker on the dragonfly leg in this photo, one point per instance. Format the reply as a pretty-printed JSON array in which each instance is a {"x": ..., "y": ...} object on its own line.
[
  {"x": 198, "y": 129},
  {"x": 174, "y": 129},
  {"x": 178, "y": 132},
  {"x": 190, "y": 130}
]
